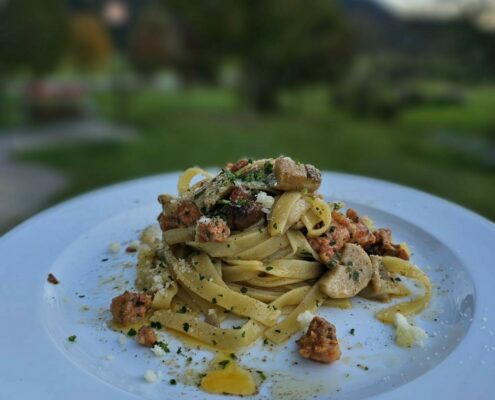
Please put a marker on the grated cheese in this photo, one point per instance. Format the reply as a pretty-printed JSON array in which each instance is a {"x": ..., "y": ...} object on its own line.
[
  {"x": 113, "y": 248},
  {"x": 305, "y": 319},
  {"x": 266, "y": 201},
  {"x": 150, "y": 376},
  {"x": 204, "y": 220},
  {"x": 122, "y": 339},
  {"x": 158, "y": 351},
  {"x": 407, "y": 335}
]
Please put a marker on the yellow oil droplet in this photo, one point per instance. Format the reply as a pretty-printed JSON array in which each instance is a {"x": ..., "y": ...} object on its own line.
[{"x": 229, "y": 378}]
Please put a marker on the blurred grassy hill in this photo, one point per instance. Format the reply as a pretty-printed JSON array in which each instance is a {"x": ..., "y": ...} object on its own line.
[{"x": 209, "y": 127}]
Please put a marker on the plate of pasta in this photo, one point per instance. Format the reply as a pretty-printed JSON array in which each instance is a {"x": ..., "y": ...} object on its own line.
[{"x": 266, "y": 279}]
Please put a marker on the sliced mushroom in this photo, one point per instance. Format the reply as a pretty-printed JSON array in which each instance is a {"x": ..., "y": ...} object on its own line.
[
  {"x": 350, "y": 276},
  {"x": 375, "y": 284},
  {"x": 295, "y": 176},
  {"x": 382, "y": 285}
]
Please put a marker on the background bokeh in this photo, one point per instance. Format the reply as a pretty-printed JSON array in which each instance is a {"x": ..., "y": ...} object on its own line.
[{"x": 99, "y": 91}]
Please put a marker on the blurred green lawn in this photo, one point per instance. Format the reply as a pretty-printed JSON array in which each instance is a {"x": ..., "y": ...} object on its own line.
[{"x": 209, "y": 127}]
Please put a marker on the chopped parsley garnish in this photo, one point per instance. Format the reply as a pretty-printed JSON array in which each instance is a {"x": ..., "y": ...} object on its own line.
[
  {"x": 262, "y": 375},
  {"x": 268, "y": 168},
  {"x": 214, "y": 300},
  {"x": 233, "y": 356},
  {"x": 189, "y": 359},
  {"x": 229, "y": 175},
  {"x": 131, "y": 332},
  {"x": 352, "y": 331},
  {"x": 243, "y": 334},
  {"x": 268, "y": 268},
  {"x": 275, "y": 226},
  {"x": 72, "y": 338},
  {"x": 244, "y": 289},
  {"x": 253, "y": 176},
  {"x": 182, "y": 310},
  {"x": 223, "y": 363},
  {"x": 173, "y": 382},
  {"x": 349, "y": 263},
  {"x": 156, "y": 324},
  {"x": 355, "y": 276},
  {"x": 185, "y": 326},
  {"x": 163, "y": 346},
  {"x": 277, "y": 330},
  {"x": 179, "y": 350}
]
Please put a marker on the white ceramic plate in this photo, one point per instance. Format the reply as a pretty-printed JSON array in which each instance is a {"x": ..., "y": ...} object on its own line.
[{"x": 453, "y": 245}]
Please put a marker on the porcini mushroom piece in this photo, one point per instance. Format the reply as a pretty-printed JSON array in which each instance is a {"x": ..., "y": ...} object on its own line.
[{"x": 295, "y": 176}]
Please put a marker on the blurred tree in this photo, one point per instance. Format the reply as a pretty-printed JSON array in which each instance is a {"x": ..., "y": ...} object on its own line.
[
  {"x": 33, "y": 35},
  {"x": 32, "y": 38},
  {"x": 279, "y": 43},
  {"x": 153, "y": 42},
  {"x": 287, "y": 43},
  {"x": 89, "y": 44}
]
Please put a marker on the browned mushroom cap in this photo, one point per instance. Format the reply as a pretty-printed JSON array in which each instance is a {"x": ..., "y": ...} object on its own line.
[
  {"x": 295, "y": 176},
  {"x": 350, "y": 276}
]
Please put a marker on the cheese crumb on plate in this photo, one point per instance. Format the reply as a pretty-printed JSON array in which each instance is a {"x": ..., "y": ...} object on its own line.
[
  {"x": 113, "y": 248},
  {"x": 407, "y": 335},
  {"x": 305, "y": 318},
  {"x": 150, "y": 376}
]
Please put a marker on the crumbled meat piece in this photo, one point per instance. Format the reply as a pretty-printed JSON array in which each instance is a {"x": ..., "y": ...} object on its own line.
[
  {"x": 361, "y": 235},
  {"x": 167, "y": 222},
  {"x": 331, "y": 242},
  {"x": 212, "y": 230},
  {"x": 129, "y": 308},
  {"x": 188, "y": 212},
  {"x": 339, "y": 235},
  {"x": 238, "y": 165},
  {"x": 402, "y": 253},
  {"x": 340, "y": 218},
  {"x": 384, "y": 246},
  {"x": 146, "y": 336},
  {"x": 243, "y": 216},
  {"x": 239, "y": 194},
  {"x": 384, "y": 238},
  {"x": 320, "y": 342},
  {"x": 51, "y": 278},
  {"x": 322, "y": 246}
]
